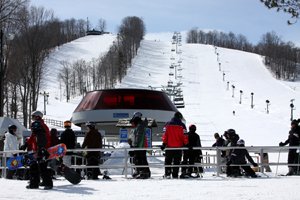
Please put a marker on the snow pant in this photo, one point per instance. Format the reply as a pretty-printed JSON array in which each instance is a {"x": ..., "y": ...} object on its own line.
[
  {"x": 233, "y": 171},
  {"x": 140, "y": 158},
  {"x": 39, "y": 170},
  {"x": 248, "y": 171},
  {"x": 189, "y": 158},
  {"x": 93, "y": 160},
  {"x": 293, "y": 159},
  {"x": 172, "y": 157}
]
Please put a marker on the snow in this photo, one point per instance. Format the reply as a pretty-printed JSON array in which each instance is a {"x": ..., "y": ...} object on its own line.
[{"x": 208, "y": 105}]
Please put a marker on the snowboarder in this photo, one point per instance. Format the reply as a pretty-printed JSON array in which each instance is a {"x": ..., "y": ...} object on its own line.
[
  {"x": 39, "y": 140},
  {"x": 174, "y": 137},
  {"x": 238, "y": 157}
]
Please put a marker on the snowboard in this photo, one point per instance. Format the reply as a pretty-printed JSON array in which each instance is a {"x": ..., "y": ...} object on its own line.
[
  {"x": 57, "y": 151},
  {"x": 18, "y": 161},
  {"x": 69, "y": 174}
]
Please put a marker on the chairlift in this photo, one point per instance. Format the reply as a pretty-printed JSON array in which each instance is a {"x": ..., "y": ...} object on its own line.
[
  {"x": 171, "y": 74},
  {"x": 172, "y": 58},
  {"x": 171, "y": 66},
  {"x": 172, "y": 49}
]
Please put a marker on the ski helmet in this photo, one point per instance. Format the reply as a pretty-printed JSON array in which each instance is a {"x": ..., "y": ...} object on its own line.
[
  {"x": 37, "y": 113},
  {"x": 136, "y": 115},
  {"x": 231, "y": 131},
  {"x": 240, "y": 142},
  {"x": 90, "y": 124}
]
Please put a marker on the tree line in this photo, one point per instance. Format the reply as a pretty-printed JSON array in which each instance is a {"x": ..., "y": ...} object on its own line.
[
  {"x": 280, "y": 57},
  {"x": 104, "y": 72},
  {"x": 28, "y": 34}
]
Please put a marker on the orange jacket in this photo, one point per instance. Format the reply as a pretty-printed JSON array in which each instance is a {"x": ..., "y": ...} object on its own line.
[{"x": 174, "y": 136}]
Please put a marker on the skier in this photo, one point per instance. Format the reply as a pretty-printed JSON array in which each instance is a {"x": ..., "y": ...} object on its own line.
[
  {"x": 174, "y": 137},
  {"x": 293, "y": 140},
  {"x": 68, "y": 138},
  {"x": 190, "y": 156},
  {"x": 139, "y": 140},
  {"x": 238, "y": 157},
  {"x": 10, "y": 144},
  {"x": 39, "y": 141}
]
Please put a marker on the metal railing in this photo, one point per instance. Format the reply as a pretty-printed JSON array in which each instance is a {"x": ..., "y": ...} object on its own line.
[{"x": 211, "y": 158}]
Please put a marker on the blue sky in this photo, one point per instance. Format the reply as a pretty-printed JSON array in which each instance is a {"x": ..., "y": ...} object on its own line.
[{"x": 247, "y": 17}]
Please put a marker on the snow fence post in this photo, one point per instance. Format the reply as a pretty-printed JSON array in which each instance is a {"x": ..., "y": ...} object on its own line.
[
  {"x": 218, "y": 153},
  {"x": 126, "y": 162},
  {"x": 261, "y": 160}
]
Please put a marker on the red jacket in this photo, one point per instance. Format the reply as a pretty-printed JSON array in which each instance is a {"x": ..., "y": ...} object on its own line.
[
  {"x": 32, "y": 141},
  {"x": 174, "y": 136}
]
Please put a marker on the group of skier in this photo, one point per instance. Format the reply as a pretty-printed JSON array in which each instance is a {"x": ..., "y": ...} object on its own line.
[{"x": 175, "y": 137}]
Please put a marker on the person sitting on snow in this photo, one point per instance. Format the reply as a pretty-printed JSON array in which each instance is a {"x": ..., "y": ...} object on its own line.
[{"x": 238, "y": 157}]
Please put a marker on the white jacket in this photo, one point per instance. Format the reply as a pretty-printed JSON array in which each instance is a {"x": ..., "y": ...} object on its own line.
[{"x": 10, "y": 143}]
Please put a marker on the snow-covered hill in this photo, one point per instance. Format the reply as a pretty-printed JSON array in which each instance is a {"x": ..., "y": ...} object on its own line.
[
  {"x": 208, "y": 74},
  {"x": 208, "y": 104}
]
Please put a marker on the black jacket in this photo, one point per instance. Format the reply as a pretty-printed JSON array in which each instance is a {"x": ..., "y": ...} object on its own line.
[
  {"x": 294, "y": 136},
  {"x": 238, "y": 156},
  {"x": 68, "y": 138}
]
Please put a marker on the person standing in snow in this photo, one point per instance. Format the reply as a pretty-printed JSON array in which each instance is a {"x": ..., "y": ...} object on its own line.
[
  {"x": 174, "y": 136},
  {"x": 139, "y": 140},
  {"x": 293, "y": 140},
  {"x": 93, "y": 140},
  {"x": 39, "y": 141},
  {"x": 191, "y": 155},
  {"x": 68, "y": 138},
  {"x": 11, "y": 144},
  {"x": 238, "y": 157}
]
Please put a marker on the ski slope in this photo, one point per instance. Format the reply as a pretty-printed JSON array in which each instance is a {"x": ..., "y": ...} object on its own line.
[{"x": 208, "y": 104}]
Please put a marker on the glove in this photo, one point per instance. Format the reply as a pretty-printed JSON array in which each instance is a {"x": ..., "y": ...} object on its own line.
[
  {"x": 131, "y": 153},
  {"x": 43, "y": 154},
  {"x": 23, "y": 147},
  {"x": 255, "y": 165},
  {"x": 281, "y": 144},
  {"x": 228, "y": 163},
  {"x": 163, "y": 146}
]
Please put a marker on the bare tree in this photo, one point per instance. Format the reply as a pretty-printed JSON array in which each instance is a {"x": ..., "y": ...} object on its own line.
[
  {"x": 291, "y": 7},
  {"x": 65, "y": 76},
  {"x": 102, "y": 25},
  {"x": 8, "y": 15}
]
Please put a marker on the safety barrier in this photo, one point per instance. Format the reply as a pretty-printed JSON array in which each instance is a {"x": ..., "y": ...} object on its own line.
[{"x": 211, "y": 158}]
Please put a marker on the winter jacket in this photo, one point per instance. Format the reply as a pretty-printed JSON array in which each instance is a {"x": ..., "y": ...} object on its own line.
[
  {"x": 40, "y": 136},
  {"x": 238, "y": 156},
  {"x": 10, "y": 143},
  {"x": 219, "y": 143},
  {"x": 293, "y": 138},
  {"x": 138, "y": 135},
  {"x": 92, "y": 140},
  {"x": 68, "y": 138},
  {"x": 194, "y": 141},
  {"x": 174, "y": 135}
]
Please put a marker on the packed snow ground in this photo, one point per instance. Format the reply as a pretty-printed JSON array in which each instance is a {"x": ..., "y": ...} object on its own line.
[{"x": 208, "y": 104}]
